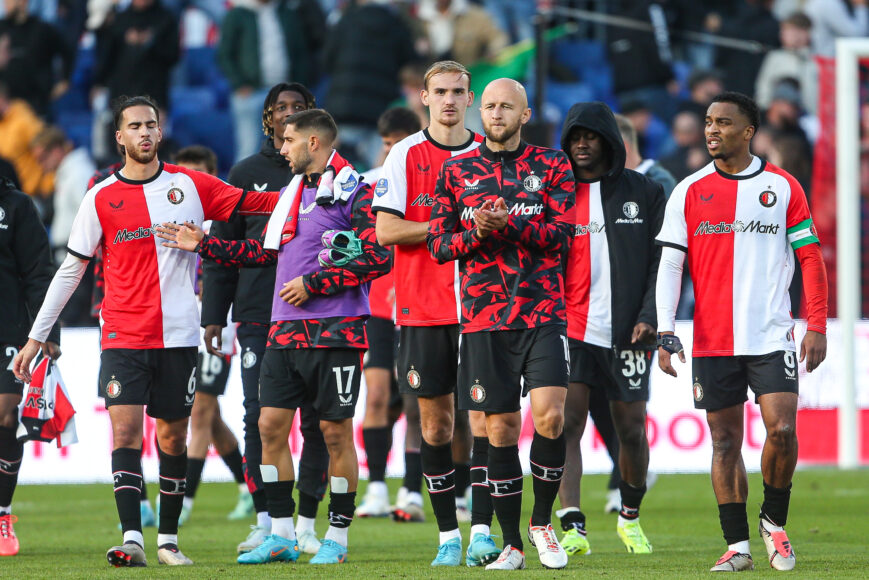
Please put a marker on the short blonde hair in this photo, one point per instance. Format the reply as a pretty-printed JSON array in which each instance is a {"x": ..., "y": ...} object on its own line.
[{"x": 446, "y": 66}]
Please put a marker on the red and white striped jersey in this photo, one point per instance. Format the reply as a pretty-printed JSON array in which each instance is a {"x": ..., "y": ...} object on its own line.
[
  {"x": 150, "y": 297},
  {"x": 588, "y": 291},
  {"x": 739, "y": 233},
  {"x": 425, "y": 291}
]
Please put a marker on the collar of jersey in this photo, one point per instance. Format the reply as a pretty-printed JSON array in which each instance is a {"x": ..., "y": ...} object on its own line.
[
  {"x": 139, "y": 182},
  {"x": 738, "y": 177},
  {"x": 439, "y": 145},
  {"x": 501, "y": 156}
]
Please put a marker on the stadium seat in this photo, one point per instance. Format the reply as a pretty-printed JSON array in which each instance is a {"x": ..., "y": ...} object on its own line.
[
  {"x": 200, "y": 66},
  {"x": 212, "y": 129},
  {"x": 187, "y": 100},
  {"x": 77, "y": 125},
  {"x": 578, "y": 55},
  {"x": 564, "y": 95}
]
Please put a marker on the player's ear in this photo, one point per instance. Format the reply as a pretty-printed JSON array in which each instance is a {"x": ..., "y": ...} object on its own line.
[
  {"x": 423, "y": 96},
  {"x": 470, "y": 98}
]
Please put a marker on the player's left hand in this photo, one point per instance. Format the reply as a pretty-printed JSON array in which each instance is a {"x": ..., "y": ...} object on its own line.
[
  {"x": 813, "y": 349},
  {"x": 643, "y": 334},
  {"x": 184, "y": 236},
  {"x": 294, "y": 292},
  {"x": 51, "y": 350}
]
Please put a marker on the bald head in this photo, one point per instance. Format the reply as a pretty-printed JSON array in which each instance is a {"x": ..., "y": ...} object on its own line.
[{"x": 504, "y": 109}]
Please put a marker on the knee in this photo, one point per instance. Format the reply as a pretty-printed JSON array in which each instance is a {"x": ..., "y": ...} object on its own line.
[
  {"x": 502, "y": 433},
  {"x": 633, "y": 435},
  {"x": 268, "y": 430},
  {"x": 126, "y": 435},
  {"x": 782, "y": 435},
  {"x": 334, "y": 434},
  {"x": 726, "y": 443},
  {"x": 9, "y": 418},
  {"x": 550, "y": 423},
  {"x": 173, "y": 443},
  {"x": 437, "y": 433}
]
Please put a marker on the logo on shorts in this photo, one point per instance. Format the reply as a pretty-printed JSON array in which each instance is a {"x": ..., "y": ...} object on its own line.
[
  {"x": 768, "y": 198},
  {"x": 478, "y": 393},
  {"x": 248, "y": 359},
  {"x": 698, "y": 390},
  {"x": 413, "y": 378},
  {"x": 113, "y": 388},
  {"x": 532, "y": 183},
  {"x": 175, "y": 196}
]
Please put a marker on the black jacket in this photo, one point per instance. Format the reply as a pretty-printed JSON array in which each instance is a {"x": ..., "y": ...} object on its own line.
[
  {"x": 25, "y": 266},
  {"x": 633, "y": 254},
  {"x": 248, "y": 290}
]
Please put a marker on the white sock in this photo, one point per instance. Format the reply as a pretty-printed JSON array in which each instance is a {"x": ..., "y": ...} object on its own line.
[
  {"x": 414, "y": 497},
  {"x": 444, "y": 537},
  {"x": 564, "y": 511},
  {"x": 623, "y": 521},
  {"x": 769, "y": 526},
  {"x": 461, "y": 502},
  {"x": 338, "y": 535},
  {"x": 304, "y": 524},
  {"x": 242, "y": 487},
  {"x": 145, "y": 502},
  {"x": 166, "y": 539},
  {"x": 134, "y": 536},
  {"x": 284, "y": 528},
  {"x": 377, "y": 488},
  {"x": 742, "y": 547},
  {"x": 187, "y": 502},
  {"x": 5, "y": 510},
  {"x": 264, "y": 520},
  {"x": 479, "y": 529}
]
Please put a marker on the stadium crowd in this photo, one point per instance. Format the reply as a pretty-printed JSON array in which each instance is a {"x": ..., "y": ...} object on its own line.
[{"x": 224, "y": 76}]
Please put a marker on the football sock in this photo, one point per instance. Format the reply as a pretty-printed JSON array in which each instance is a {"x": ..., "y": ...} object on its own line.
[
  {"x": 734, "y": 522},
  {"x": 173, "y": 469},
  {"x": 463, "y": 479},
  {"x": 127, "y": 475},
  {"x": 776, "y": 501},
  {"x": 341, "y": 508},
  {"x": 11, "y": 452},
  {"x": 505, "y": 485},
  {"x": 572, "y": 519},
  {"x": 376, "y": 442},
  {"x": 632, "y": 497},
  {"x": 547, "y": 467},
  {"x": 412, "y": 471},
  {"x": 481, "y": 498},
  {"x": 308, "y": 505},
  {"x": 194, "y": 475},
  {"x": 233, "y": 461},
  {"x": 439, "y": 473}
]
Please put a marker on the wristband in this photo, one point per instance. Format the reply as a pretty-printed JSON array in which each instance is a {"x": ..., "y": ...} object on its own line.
[{"x": 670, "y": 343}]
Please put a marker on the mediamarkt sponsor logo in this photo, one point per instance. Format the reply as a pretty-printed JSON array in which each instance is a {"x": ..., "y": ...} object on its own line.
[
  {"x": 424, "y": 200},
  {"x": 737, "y": 227},
  {"x": 517, "y": 209},
  {"x": 126, "y": 235}
]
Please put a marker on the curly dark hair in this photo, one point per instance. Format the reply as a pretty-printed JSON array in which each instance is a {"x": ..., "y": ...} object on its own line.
[{"x": 272, "y": 97}]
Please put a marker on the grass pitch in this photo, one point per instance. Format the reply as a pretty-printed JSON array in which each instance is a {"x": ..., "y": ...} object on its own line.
[{"x": 65, "y": 531}]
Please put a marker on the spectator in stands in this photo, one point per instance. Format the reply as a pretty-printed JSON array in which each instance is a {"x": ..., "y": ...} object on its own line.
[
  {"x": 832, "y": 19},
  {"x": 633, "y": 160},
  {"x": 703, "y": 85},
  {"x": 653, "y": 136},
  {"x": 365, "y": 81},
  {"x": 411, "y": 78},
  {"x": 698, "y": 16},
  {"x": 690, "y": 153},
  {"x": 784, "y": 116},
  {"x": 73, "y": 168},
  {"x": 458, "y": 30},
  {"x": 18, "y": 126},
  {"x": 262, "y": 43},
  {"x": 755, "y": 21},
  {"x": 136, "y": 52},
  {"x": 794, "y": 60},
  {"x": 27, "y": 59},
  {"x": 7, "y": 170}
]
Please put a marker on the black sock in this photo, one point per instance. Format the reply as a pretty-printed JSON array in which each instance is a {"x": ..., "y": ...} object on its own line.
[
  {"x": 776, "y": 501},
  {"x": 463, "y": 478},
  {"x": 173, "y": 469},
  {"x": 439, "y": 473},
  {"x": 505, "y": 485},
  {"x": 308, "y": 505},
  {"x": 573, "y": 520},
  {"x": 194, "y": 474},
  {"x": 127, "y": 475},
  {"x": 11, "y": 452},
  {"x": 254, "y": 485},
  {"x": 547, "y": 467},
  {"x": 632, "y": 497},
  {"x": 234, "y": 462},
  {"x": 279, "y": 496},
  {"x": 376, "y": 442},
  {"x": 412, "y": 471},
  {"x": 481, "y": 499},
  {"x": 734, "y": 522},
  {"x": 144, "y": 496},
  {"x": 341, "y": 508}
]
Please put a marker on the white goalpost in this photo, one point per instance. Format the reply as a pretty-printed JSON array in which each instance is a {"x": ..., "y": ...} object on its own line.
[{"x": 848, "y": 53}]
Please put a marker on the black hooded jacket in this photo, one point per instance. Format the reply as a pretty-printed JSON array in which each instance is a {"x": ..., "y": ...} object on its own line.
[
  {"x": 25, "y": 266},
  {"x": 248, "y": 290},
  {"x": 633, "y": 254}
]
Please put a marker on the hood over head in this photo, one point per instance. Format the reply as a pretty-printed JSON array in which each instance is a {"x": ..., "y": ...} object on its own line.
[{"x": 598, "y": 117}]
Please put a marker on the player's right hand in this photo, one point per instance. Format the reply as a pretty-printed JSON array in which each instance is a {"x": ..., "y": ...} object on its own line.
[
  {"x": 25, "y": 356},
  {"x": 664, "y": 358},
  {"x": 212, "y": 332}
]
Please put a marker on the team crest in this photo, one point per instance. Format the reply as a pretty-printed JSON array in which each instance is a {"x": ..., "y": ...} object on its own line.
[
  {"x": 2, "y": 214},
  {"x": 382, "y": 187},
  {"x": 478, "y": 393},
  {"x": 698, "y": 391},
  {"x": 175, "y": 196},
  {"x": 532, "y": 183},
  {"x": 113, "y": 388},
  {"x": 631, "y": 209},
  {"x": 768, "y": 198},
  {"x": 413, "y": 378},
  {"x": 248, "y": 359}
]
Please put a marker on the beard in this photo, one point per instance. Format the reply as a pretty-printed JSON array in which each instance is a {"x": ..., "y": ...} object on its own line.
[
  {"x": 501, "y": 134},
  {"x": 301, "y": 163},
  {"x": 143, "y": 157}
]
